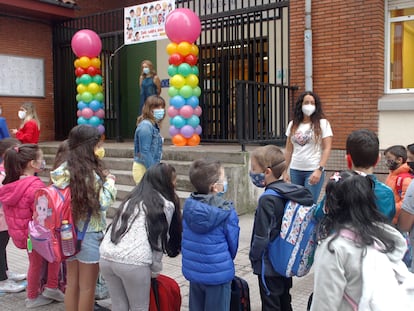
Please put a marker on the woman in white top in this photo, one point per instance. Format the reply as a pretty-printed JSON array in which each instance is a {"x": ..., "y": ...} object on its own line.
[
  {"x": 146, "y": 225},
  {"x": 308, "y": 144}
]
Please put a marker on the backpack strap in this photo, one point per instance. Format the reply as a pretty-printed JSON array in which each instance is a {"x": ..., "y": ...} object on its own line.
[{"x": 400, "y": 180}]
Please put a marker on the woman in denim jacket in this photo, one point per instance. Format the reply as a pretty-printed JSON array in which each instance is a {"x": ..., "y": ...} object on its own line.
[{"x": 147, "y": 138}]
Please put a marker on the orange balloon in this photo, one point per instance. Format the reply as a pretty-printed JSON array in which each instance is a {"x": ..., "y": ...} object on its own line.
[
  {"x": 179, "y": 140},
  {"x": 171, "y": 48},
  {"x": 193, "y": 140}
]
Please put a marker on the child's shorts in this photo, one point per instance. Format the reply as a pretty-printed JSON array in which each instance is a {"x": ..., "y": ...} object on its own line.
[{"x": 89, "y": 252}]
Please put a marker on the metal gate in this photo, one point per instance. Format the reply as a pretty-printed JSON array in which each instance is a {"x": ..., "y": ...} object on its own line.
[{"x": 241, "y": 40}]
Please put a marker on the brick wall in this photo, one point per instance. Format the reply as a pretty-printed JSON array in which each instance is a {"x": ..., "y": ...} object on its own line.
[
  {"x": 19, "y": 37},
  {"x": 348, "y": 60}
]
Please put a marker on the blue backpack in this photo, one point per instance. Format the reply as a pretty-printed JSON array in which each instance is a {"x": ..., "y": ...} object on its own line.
[{"x": 292, "y": 252}]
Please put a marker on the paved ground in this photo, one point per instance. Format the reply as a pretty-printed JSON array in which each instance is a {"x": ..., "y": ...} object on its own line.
[{"x": 302, "y": 287}]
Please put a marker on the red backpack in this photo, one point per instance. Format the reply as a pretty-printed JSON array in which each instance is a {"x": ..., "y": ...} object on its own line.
[
  {"x": 400, "y": 181},
  {"x": 165, "y": 294},
  {"x": 51, "y": 207}
]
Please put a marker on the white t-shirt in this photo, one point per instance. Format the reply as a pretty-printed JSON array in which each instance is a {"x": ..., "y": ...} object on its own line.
[{"x": 306, "y": 153}]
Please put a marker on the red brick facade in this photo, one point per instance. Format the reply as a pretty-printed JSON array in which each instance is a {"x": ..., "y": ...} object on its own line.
[{"x": 348, "y": 60}]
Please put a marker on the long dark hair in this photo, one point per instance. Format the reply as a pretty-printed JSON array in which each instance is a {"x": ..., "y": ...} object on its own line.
[
  {"x": 145, "y": 197},
  {"x": 350, "y": 201},
  {"x": 82, "y": 166},
  {"x": 315, "y": 117},
  {"x": 16, "y": 159}
]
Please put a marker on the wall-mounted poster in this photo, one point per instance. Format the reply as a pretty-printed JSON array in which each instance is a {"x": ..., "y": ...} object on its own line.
[{"x": 146, "y": 22}]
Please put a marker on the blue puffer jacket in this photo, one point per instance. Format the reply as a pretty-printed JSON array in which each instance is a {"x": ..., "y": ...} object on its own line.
[{"x": 210, "y": 239}]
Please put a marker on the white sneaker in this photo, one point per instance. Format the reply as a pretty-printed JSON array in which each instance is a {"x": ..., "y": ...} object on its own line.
[
  {"x": 14, "y": 276},
  {"x": 54, "y": 293},
  {"x": 37, "y": 302},
  {"x": 9, "y": 286}
]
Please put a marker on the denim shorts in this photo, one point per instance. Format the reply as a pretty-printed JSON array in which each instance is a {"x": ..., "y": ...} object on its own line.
[{"x": 89, "y": 252}]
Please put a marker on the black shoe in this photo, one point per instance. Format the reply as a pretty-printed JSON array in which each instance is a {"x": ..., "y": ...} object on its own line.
[{"x": 98, "y": 307}]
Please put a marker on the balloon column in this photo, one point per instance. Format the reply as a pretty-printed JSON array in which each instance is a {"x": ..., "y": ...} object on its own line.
[
  {"x": 87, "y": 45},
  {"x": 183, "y": 27}
]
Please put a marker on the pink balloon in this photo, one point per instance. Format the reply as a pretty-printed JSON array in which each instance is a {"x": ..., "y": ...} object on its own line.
[
  {"x": 186, "y": 111},
  {"x": 100, "y": 113},
  {"x": 172, "y": 112},
  {"x": 182, "y": 25},
  {"x": 87, "y": 113},
  {"x": 86, "y": 43},
  {"x": 198, "y": 111}
]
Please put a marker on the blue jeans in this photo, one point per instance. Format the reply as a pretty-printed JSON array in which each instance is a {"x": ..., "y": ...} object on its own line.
[
  {"x": 302, "y": 178},
  {"x": 209, "y": 297}
]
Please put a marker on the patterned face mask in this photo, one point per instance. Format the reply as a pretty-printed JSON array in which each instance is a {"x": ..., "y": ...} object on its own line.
[{"x": 258, "y": 179}]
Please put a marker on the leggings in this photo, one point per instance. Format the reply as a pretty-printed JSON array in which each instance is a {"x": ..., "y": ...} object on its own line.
[{"x": 4, "y": 240}]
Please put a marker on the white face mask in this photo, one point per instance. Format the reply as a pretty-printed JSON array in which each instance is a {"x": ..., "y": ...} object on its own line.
[
  {"x": 21, "y": 114},
  {"x": 308, "y": 109},
  {"x": 146, "y": 70}
]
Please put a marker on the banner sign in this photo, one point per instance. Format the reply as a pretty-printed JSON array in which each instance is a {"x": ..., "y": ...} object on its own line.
[{"x": 146, "y": 22}]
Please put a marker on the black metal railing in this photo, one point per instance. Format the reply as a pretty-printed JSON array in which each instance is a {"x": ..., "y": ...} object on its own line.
[{"x": 262, "y": 112}]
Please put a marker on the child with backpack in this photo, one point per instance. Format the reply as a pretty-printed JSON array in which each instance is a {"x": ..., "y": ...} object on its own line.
[
  {"x": 17, "y": 195},
  {"x": 146, "y": 225},
  {"x": 92, "y": 191},
  {"x": 350, "y": 234},
  {"x": 267, "y": 165},
  {"x": 210, "y": 238}
]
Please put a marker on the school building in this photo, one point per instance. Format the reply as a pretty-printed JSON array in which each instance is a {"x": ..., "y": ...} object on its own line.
[{"x": 255, "y": 57}]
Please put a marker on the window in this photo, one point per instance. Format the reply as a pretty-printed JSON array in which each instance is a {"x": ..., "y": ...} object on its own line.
[{"x": 400, "y": 71}]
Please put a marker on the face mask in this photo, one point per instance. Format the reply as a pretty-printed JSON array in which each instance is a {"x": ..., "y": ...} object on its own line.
[
  {"x": 411, "y": 165},
  {"x": 21, "y": 114},
  {"x": 308, "y": 109},
  {"x": 146, "y": 70},
  {"x": 257, "y": 179},
  {"x": 158, "y": 114},
  {"x": 100, "y": 152},
  {"x": 225, "y": 186},
  {"x": 42, "y": 165},
  {"x": 391, "y": 164}
]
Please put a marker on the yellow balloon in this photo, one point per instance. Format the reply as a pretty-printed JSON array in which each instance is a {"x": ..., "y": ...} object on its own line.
[
  {"x": 171, "y": 48},
  {"x": 96, "y": 62},
  {"x": 93, "y": 88},
  {"x": 81, "y": 88},
  {"x": 194, "y": 49},
  {"x": 76, "y": 63},
  {"x": 191, "y": 80},
  {"x": 177, "y": 81},
  {"x": 84, "y": 62},
  {"x": 184, "y": 48}
]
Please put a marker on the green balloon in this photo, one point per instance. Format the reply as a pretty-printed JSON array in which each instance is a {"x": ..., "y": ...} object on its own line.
[
  {"x": 184, "y": 69},
  {"x": 97, "y": 79},
  {"x": 172, "y": 91},
  {"x": 186, "y": 91},
  {"x": 172, "y": 70},
  {"x": 99, "y": 97},
  {"x": 78, "y": 97},
  {"x": 86, "y": 97},
  {"x": 195, "y": 70},
  {"x": 85, "y": 79},
  {"x": 196, "y": 91}
]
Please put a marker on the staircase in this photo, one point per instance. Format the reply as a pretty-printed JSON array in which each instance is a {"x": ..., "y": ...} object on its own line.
[{"x": 118, "y": 159}]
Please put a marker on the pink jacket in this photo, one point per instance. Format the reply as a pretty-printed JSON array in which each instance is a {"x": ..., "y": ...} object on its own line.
[
  {"x": 18, "y": 205},
  {"x": 3, "y": 224}
]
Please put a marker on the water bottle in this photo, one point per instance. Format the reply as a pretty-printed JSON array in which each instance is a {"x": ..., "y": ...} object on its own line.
[{"x": 66, "y": 236}]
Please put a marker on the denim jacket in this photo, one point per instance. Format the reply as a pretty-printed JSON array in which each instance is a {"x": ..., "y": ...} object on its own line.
[{"x": 147, "y": 144}]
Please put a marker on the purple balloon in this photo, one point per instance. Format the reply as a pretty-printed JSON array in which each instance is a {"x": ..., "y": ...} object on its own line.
[
  {"x": 101, "y": 129},
  {"x": 187, "y": 131},
  {"x": 198, "y": 130},
  {"x": 173, "y": 130}
]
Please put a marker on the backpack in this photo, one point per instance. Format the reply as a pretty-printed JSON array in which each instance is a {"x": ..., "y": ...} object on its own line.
[
  {"x": 292, "y": 252},
  {"x": 240, "y": 296},
  {"x": 387, "y": 285},
  {"x": 52, "y": 206},
  {"x": 165, "y": 294},
  {"x": 400, "y": 181}
]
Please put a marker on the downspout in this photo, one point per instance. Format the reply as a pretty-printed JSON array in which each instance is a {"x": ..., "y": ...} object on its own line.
[{"x": 308, "y": 46}]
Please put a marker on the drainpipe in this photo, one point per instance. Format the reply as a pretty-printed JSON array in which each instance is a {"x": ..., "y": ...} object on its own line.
[{"x": 308, "y": 46}]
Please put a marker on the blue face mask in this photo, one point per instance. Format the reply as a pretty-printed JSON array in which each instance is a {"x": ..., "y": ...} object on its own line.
[
  {"x": 258, "y": 179},
  {"x": 158, "y": 114},
  {"x": 225, "y": 186}
]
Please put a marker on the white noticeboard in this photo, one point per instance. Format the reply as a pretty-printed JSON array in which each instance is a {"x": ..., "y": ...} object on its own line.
[{"x": 22, "y": 76}]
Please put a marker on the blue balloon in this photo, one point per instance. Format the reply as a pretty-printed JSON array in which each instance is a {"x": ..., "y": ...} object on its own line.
[
  {"x": 82, "y": 120},
  {"x": 94, "y": 121},
  {"x": 177, "y": 101},
  {"x": 192, "y": 101},
  {"x": 95, "y": 105},
  {"x": 82, "y": 105},
  {"x": 178, "y": 121},
  {"x": 194, "y": 121}
]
